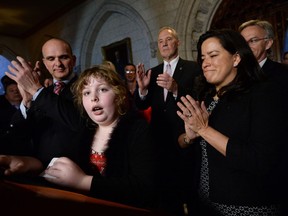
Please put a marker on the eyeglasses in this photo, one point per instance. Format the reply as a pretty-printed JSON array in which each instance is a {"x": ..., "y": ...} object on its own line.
[
  {"x": 129, "y": 71},
  {"x": 253, "y": 41}
]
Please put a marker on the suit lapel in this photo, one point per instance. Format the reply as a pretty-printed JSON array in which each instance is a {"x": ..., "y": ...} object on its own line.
[{"x": 178, "y": 69}]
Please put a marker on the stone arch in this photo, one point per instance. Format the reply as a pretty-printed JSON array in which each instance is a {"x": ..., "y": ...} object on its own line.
[
  {"x": 200, "y": 15},
  {"x": 101, "y": 16}
]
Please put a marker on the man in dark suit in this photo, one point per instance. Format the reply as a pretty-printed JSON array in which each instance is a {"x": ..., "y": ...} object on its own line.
[
  {"x": 51, "y": 137},
  {"x": 161, "y": 87},
  {"x": 9, "y": 104},
  {"x": 259, "y": 34}
]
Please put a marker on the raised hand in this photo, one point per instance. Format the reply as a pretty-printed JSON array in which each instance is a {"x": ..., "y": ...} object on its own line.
[
  {"x": 26, "y": 77},
  {"x": 166, "y": 81},
  {"x": 143, "y": 78},
  {"x": 194, "y": 114}
]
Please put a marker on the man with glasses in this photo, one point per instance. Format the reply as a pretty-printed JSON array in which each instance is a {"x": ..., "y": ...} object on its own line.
[
  {"x": 130, "y": 79},
  {"x": 259, "y": 35}
]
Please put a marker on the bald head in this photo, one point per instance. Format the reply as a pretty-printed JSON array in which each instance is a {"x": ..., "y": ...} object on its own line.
[{"x": 58, "y": 58}]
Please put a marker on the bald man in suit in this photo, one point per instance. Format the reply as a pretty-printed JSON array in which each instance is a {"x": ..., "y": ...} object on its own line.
[{"x": 161, "y": 87}]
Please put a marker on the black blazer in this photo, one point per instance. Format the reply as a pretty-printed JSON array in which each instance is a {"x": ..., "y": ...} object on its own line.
[
  {"x": 6, "y": 113},
  {"x": 52, "y": 137},
  {"x": 9, "y": 139},
  {"x": 277, "y": 73},
  {"x": 249, "y": 173},
  {"x": 274, "y": 69},
  {"x": 165, "y": 122}
]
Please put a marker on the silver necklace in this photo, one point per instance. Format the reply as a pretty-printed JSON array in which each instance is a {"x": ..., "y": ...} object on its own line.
[{"x": 212, "y": 105}]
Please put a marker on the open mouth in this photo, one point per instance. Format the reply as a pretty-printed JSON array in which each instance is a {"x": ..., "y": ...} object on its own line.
[{"x": 94, "y": 109}]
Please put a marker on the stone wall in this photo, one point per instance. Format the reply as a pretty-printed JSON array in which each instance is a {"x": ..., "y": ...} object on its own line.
[{"x": 97, "y": 23}]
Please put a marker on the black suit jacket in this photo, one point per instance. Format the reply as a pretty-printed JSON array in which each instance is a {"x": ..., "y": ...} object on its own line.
[
  {"x": 278, "y": 74},
  {"x": 249, "y": 174},
  {"x": 275, "y": 71},
  {"x": 52, "y": 137},
  {"x": 6, "y": 113},
  {"x": 9, "y": 139},
  {"x": 165, "y": 122}
]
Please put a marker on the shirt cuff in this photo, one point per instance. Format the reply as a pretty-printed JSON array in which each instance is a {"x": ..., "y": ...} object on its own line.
[
  {"x": 37, "y": 93},
  {"x": 23, "y": 110},
  {"x": 142, "y": 97}
]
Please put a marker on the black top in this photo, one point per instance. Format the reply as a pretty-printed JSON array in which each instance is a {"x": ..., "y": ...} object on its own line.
[
  {"x": 249, "y": 174},
  {"x": 129, "y": 175}
]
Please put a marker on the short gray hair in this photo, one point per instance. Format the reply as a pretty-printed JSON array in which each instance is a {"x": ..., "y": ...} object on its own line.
[
  {"x": 262, "y": 24},
  {"x": 173, "y": 31}
]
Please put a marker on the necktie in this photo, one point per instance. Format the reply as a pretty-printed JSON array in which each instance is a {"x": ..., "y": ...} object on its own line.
[
  {"x": 169, "y": 71},
  {"x": 58, "y": 86}
]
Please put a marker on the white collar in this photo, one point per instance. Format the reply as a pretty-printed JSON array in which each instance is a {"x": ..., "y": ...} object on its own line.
[
  {"x": 262, "y": 62},
  {"x": 172, "y": 63}
]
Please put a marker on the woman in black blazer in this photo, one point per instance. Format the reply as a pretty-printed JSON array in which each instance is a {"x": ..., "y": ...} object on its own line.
[{"x": 236, "y": 124}]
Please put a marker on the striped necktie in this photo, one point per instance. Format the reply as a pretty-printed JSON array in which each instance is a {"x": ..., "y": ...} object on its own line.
[{"x": 58, "y": 86}]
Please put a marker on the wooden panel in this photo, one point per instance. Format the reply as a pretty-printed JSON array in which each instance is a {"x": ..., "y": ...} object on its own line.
[{"x": 27, "y": 199}]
